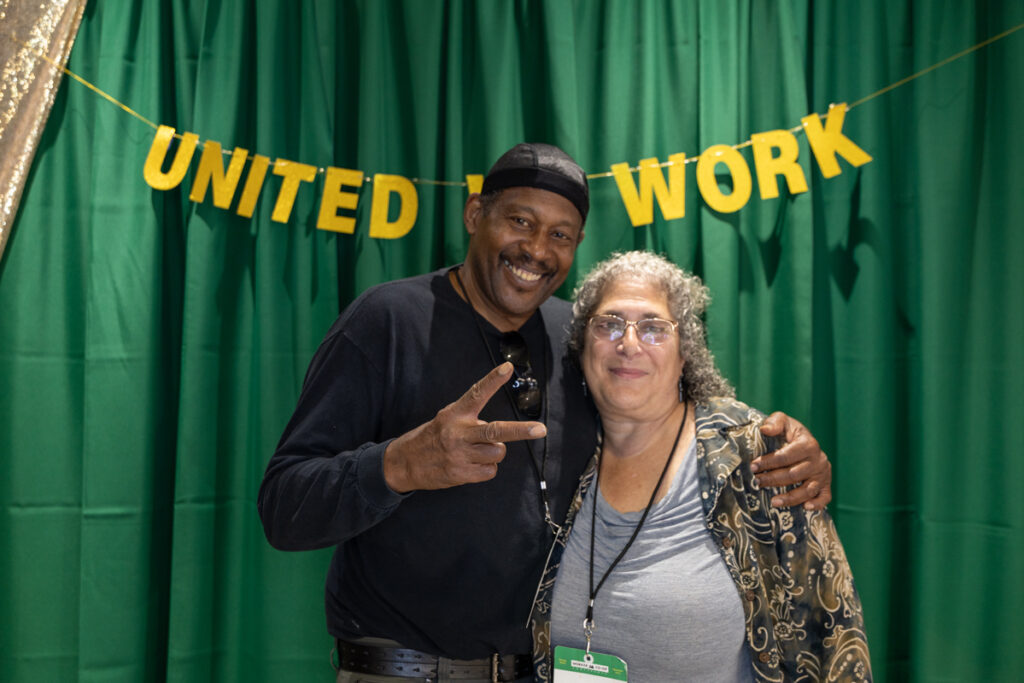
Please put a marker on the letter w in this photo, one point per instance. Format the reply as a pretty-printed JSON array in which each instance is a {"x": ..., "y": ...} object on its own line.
[{"x": 651, "y": 183}]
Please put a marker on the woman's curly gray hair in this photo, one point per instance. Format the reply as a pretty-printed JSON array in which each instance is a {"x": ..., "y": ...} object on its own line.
[{"x": 687, "y": 298}]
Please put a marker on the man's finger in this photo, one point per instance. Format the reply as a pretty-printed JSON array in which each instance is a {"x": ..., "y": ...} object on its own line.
[
  {"x": 796, "y": 496},
  {"x": 780, "y": 424},
  {"x": 821, "y": 501},
  {"x": 504, "y": 431},
  {"x": 773, "y": 424},
  {"x": 474, "y": 400},
  {"x": 810, "y": 497},
  {"x": 786, "y": 476},
  {"x": 783, "y": 457}
]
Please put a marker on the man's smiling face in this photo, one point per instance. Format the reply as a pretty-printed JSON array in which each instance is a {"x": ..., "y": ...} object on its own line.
[{"x": 522, "y": 243}]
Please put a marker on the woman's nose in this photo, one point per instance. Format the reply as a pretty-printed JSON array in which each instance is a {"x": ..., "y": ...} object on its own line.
[{"x": 629, "y": 344}]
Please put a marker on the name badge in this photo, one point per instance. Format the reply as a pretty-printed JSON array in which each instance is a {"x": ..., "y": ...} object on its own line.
[{"x": 578, "y": 666}]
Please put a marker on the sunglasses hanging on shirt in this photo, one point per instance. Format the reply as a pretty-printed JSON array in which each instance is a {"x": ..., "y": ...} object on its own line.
[{"x": 524, "y": 386}]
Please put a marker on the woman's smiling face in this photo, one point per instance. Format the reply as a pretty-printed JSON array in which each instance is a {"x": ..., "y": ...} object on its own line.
[{"x": 628, "y": 378}]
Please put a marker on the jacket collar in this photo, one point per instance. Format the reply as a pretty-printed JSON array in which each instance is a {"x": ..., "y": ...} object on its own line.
[{"x": 717, "y": 455}]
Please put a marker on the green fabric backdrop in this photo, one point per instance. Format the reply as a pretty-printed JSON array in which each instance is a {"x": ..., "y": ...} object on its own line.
[{"x": 151, "y": 349}]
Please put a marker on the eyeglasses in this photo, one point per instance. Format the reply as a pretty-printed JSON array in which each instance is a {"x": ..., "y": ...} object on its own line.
[
  {"x": 524, "y": 386},
  {"x": 652, "y": 331}
]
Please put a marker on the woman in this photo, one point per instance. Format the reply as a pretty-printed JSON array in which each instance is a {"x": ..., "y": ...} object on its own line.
[{"x": 680, "y": 566}]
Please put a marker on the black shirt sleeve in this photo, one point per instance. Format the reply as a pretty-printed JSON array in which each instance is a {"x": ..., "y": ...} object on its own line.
[{"x": 325, "y": 482}]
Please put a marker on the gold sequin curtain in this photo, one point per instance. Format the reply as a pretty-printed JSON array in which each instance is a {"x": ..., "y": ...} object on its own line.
[{"x": 35, "y": 41}]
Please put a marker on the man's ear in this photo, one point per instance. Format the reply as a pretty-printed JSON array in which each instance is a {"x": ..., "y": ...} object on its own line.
[
  {"x": 579, "y": 238},
  {"x": 471, "y": 212}
]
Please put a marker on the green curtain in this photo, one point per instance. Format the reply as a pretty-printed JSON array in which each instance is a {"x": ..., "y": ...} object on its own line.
[{"x": 152, "y": 348}]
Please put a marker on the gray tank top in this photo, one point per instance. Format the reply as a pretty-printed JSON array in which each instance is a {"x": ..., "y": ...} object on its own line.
[{"x": 669, "y": 608}]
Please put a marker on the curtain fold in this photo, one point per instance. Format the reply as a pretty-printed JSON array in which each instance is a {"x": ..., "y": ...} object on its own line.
[{"x": 152, "y": 348}]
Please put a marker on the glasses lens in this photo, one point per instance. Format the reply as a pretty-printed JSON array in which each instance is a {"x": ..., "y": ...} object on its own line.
[
  {"x": 524, "y": 386},
  {"x": 654, "y": 331},
  {"x": 526, "y": 392},
  {"x": 608, "y": 327},
  {"x": 513, "y": 349}
]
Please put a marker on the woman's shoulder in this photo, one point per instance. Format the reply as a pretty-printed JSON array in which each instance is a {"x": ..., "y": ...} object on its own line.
[
  {"x": 726, "y": 412},
  {"x": 727, "y": 425}
]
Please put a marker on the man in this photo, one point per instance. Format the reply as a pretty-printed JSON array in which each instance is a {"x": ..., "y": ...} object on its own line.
[{"x": 442, "y": 500}]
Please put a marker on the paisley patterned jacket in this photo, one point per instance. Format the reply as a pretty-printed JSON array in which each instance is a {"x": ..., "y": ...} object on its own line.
[{"x": 803, "y": 614}]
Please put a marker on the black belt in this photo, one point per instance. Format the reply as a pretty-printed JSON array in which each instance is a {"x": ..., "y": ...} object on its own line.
[{"x": 400, "y": 661}]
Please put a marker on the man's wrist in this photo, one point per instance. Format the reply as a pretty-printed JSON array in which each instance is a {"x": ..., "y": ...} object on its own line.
[
  {"x": 378, "y": 488},
  {"x": 393, "y": 469}
]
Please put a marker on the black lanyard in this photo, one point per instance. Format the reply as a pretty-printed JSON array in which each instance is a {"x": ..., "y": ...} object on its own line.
[
  {"x": 538, "y": 469},
  {"x": 588, "y": 622}
]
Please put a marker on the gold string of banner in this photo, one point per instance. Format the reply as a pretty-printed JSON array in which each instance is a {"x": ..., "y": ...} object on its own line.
[
  {"x": 592, "y": 176},
  {"x": 796, "y": 129},
  {"x": 944, "y": 62},
  {"x": 84, "y": 82}
]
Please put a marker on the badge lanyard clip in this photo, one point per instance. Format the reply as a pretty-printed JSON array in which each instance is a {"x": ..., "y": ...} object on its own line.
[{"x": 588, "y": 623}]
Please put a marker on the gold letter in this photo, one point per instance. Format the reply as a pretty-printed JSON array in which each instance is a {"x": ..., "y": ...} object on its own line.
[
  {"x": 785, "y": 164},
  {"x": 335, "y": 199},
  {"x": 383, "y": 186},
  {"x": 156, "y": 178},
  {"x": 475, "y": 182},
  {"x": 211, "y": 170},
  {"x": 293, "y": 173},
  {"x": 828, "y": 142},
  {"x": 253, "y": 185},
  {"x": 708, "y": 185},
  {"x": 639, "y": 204}
]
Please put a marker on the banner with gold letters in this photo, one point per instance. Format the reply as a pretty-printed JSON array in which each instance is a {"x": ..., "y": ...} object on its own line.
[{"x": 775, "y": 154}]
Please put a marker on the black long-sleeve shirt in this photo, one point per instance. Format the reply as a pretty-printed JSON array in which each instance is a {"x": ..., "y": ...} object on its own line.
[{"x": 452, "y": 571}]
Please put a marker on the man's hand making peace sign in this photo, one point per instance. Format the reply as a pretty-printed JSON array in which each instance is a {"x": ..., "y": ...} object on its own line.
[{"x": 456, "y": 447}]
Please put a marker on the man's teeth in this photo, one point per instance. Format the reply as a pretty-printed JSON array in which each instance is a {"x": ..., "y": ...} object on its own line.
[{"x": 523, "y": 274}]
